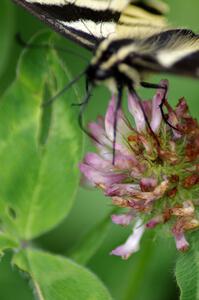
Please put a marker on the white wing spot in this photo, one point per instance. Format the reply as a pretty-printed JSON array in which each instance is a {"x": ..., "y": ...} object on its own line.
[{"x": 97, "y": 29}]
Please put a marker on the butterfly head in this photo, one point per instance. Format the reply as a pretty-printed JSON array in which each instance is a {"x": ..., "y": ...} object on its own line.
[
  {"x": 110, "y": 64},
  {"x": 97, "y": 70}
]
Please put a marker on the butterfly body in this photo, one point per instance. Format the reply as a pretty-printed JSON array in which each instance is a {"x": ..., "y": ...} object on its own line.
[
  {"x": 128, "y": 38},
  {"x": 128, "y": 60}
]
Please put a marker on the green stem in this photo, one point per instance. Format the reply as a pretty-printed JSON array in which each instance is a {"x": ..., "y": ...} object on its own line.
[{"x": 135, "y": 281}]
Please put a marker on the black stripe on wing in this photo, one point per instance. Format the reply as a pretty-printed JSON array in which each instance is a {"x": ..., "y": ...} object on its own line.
[
  {"x": 87, "y": 40},
  {"x": 152, "y": 7},
  {"x": 72, "y": 12},
  {"x": 171, "y": 37},
  {"x": 147, "y": 8},
  {"x": 188, "y": 66},
  {"x": 174, "y": 51}
]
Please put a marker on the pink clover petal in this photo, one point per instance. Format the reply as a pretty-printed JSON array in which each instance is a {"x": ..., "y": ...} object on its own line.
[
  {"x": 157, "y": 193},
  {"x": 156, "y": 115},
  {"x": 133, "y": 190},
  {"x": 136, "y": 174},
  {"x": 154, "y": 222},
  {"x": 109, "y": 118},
  {"x": 138, "y": 171},
  {"x": 137, "y": 113},
  {"x": 98, "y": 132},
  {"x": 137, "y": 205},
  {"x": 97, "y": 162},
  {"x": 122, "y": 190},
  {"x": 174, "y": 120},
  {"x": 100, "y": 178},
  {"x": 132, "y": 244},
  {"x": 105, "y": 152},
  {"x": 156, "y": 118},
  {"x": 105, "y": 163},
  {"x": 147, "y": 144},
  {"x": 148, "y": 184},
  {"x": 181, "y": 109},
  {"x": 147, "y": 105},
  {"x": 96, "y": 129},
  {"x": 181, "y": 242},
  {"x": 123, "y": 126},
  {"x": 122, "y": 219},
  {"x": 125, "y": 161}
]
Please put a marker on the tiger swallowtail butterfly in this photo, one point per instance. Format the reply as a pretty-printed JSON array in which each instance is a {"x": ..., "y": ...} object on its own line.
[{"x": 128, "y": 38}]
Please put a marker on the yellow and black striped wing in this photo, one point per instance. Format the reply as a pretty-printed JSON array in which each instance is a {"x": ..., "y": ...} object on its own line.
[
  {"x": 141, "y": 19},
  {"x": 86, "y": 22},
  {"x": 173, "y": 51},
  {"x": 89, "y": 21}
]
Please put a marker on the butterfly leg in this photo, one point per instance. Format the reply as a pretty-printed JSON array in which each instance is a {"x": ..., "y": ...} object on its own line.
[
  {"x": 87, "y": 84},
  {"x": 133, "y": 92},
  {"x": 158, "y": 86},
  {"x": 63, "y": 91},
  {"x": 149, "y": 85},
  {"x": 83, "y": 107},
  {"x": 118, "y": 106}
]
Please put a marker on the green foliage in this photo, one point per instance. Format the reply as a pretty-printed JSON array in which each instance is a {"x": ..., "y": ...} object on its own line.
[
  {"x": 6, "y": 33},
  {"x": 89, "y": 244},
  {"x": 187, "y": 271},
  {"x": 7, "y": 242},
  {"x": 36, "y": 192},
  {"x": 58, "y": 278},
  {"x": 39, "y": 146}
]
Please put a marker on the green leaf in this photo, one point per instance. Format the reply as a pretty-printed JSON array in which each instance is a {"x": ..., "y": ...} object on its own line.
[
  {"x": 6, "y": 33},
  {"x": 40, "y": 146},
  {"x": 187, "y": 271},
  {"x": 58, "y": 278},
  {"x": 7, "y": 43},
  {"x": 6, "y": 242},
  {"x": 89, "y": 244}
]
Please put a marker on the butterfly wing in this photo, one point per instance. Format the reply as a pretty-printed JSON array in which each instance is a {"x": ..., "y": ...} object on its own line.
[
  {"x": 154, "y": 7},
  {"x": 171, "y": 51},
  {"x": 140, "y": 19},
  {"x": 87, "y": 22}
]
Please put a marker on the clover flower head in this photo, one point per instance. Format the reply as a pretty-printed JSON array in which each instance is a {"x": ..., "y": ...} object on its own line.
[{"x": 154, "y": 180}]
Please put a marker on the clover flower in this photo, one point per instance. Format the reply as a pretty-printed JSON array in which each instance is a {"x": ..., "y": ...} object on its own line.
[{"x": 155, "y": 178}]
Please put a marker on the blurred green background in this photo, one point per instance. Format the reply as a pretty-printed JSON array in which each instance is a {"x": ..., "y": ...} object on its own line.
[{"x": 147, "y": 275}]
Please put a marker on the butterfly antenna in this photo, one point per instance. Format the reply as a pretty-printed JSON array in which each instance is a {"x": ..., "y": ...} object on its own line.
[{"x": 60, "y": 93}]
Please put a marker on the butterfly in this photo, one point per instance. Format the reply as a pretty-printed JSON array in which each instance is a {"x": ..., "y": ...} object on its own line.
[{"x": 128, "y": 38}]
